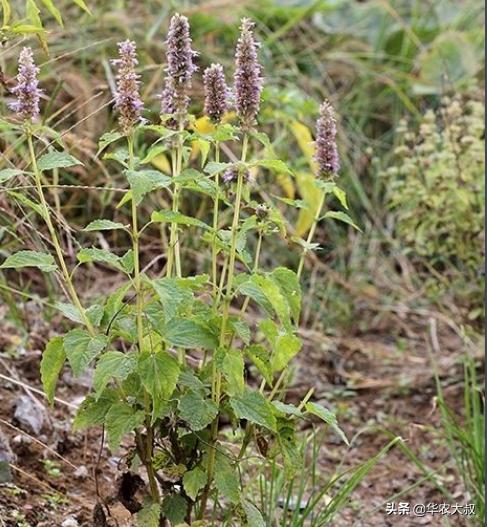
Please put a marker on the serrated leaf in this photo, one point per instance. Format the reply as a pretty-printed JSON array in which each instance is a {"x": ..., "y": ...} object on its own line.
[
  {"x": 56, "y": 159},
  {"x": 341, "y": 216},
  {"x": 153, "y": 152},
  {"x": 51, "y": 365},
  {"x": 172, "y": 295},
  {"x": 93, "y": 411},
  {"x": 104, "y": 225},
  {"x": 272, "y": 291},
  {"x": 285, "y": 348},
  {"x": 328, "y": 417},
  {"x": 159, "y": 374},
  {"x": 121, "y": 419},
  {"x": 169, "y": 216},
  {"x": 149, "y": 515},
  {"x": 287, "y": 409},
  {"x": 213, "y": 167},
  {"x": 81, "y": 348},
  {"x": 144, "y": 181},
  {"x": 186, "y": 333},
  {"x": 9, "y": 173},
  {"x": 175, "y": 508},
  {"x": 44, "y": 262},
  {"x": 197, "y": 411},
  {"x": 290, "y": 287},
  {"x": 260, "y": 357},
  {"x": 254, "y": 407},
  {"x": 113, "y": 364},
  {"x": 93, "y": 254},
  {"x": 233, "y": 370},
  {"x": 107, "y": 139},
  {"x": 193, "y": 481},
  {"x": 226, "y": 478}
]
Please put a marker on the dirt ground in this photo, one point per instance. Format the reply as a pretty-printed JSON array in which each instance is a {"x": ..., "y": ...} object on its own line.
[{"x": 378, "y": 381}]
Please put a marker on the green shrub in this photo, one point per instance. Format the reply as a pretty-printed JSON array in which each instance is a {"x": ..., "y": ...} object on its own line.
[{"x": 435, "y": 187}]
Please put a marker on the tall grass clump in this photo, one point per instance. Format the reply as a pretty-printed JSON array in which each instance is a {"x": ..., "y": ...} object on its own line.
[{"x": 169, "y": 350}]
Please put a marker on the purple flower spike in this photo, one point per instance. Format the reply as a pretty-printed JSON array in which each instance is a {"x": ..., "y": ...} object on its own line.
[
  {"x": 127, "y": 98},
  {"x": 326, "y": 153},
  {"x": 248, "y": 76},
  {"x": 216, "y": 92},
  {"x": 231, "y": 175},
  {"x": 26, "y": 90},
  {"x": 180, "y": 67}
]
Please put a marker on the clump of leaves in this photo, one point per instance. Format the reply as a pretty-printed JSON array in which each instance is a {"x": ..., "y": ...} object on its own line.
[
  {"x": 435, "y": 187},
  {"x": 169, "y": 350}
]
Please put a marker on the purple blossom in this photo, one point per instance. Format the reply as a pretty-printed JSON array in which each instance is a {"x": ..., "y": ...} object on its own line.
[
  {"x": 180, "y": 67},
  {"x": 127, "y": 98},
  {"x": 216, "y": 92},
  {"x": 26, "y": 90},
  {"x": 326, "y": 153},
  {"x": 248, "y": 76},
  {"x": 231, "y": 175}
]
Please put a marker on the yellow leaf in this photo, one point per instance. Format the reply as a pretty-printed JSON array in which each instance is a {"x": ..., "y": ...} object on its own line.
[
  {"x": 162, "y": 163},
  {"x": 305, "y": 141},
  {"x": 203, "y": 125},
  {"x": 287, "y": 184},
  {"x": 311, "y": 195},
  {"x": 7, "y": 11}
]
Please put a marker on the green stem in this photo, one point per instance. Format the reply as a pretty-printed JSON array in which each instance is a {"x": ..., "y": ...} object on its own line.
[
  {"x": 174, "y": 256},
  {"x": 214, "y": 255},
  {"x": 216, "y": 376},
  {"x": 145, "y": 450},
  {"x": 311, "y": 234},
  {"x": 54, "y": 238},
  {"x": 135, "y": 247}
]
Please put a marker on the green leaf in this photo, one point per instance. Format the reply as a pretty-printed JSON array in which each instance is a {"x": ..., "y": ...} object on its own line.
[
  {"x": 175, "y": 508},
  {"x": 7, "y": 11},
  {"x": 272, "y": 291},
  {"x": 341, "y": 216},
  {"x": 285, "y": 348},
  {"x": 159, "y": 374},
  {"x": 144, "y": 181},
  {"x": 169, "y": 216},
  {"x": 253, "y": 290},
  {"x": 81, "y": 348},
  {"x": 253, "y": 515},
  {"x": 8, "y": 173},
  {"x": 93, "y": 411},
  {"x": 153, "y": 152},
  {"x": 84, "y": 7},
  {"x": 51, "y": 365},
  {"x": 107, "y": 139},
  {"x": 93, "y": 254},
  {"x": 213, "y": 168},
  {"x": 197, "y": 411},
  {"x": 104, "y": 225},
  {"x": 172, "y": 295},
  {"x": 260, "y": 357},
  {"x": 121, "y": 419},
  {"x": 241, "y": 328},
  {"x": 226, "y": 478},
  {"x": 44, "y": 262},
  {"x": 193, "y": 481},
  {"x": 290, "y": 287},
  {"x": 149, "y": 515},
  {"x": 56, "y": 159},
  {"x": 327, "y": 416},
  {"x": 113, "y": 364},
  {"x": 287, "y": 409},
  {"x": 186, "y": 333},
  {"x": 254, "y": 407},
  {"x": 273, "y": 164},
  {"x": 28, "y": 202},
  {"x": 54, "y": 11},
  {"x": 233, "y": 371}
]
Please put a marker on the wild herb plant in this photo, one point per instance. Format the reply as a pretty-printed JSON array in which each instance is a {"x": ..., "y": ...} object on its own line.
[
  {"x": 169, "y": 352},
  {"x": 435, "y": 188}
]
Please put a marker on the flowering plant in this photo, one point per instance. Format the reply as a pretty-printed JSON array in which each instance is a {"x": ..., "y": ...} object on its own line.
[{"x": 171, "y": 352}]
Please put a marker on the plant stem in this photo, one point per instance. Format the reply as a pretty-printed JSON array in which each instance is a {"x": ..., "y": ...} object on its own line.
[
  {"x": 54, "y": 238},
  {"x": 214, "y": 255},
  {"x": 145, "y": 451},
  {"x": 311, "y": 234},
  {"x": 135, "y": 247},
  {"x": 174, "y": 256},
  {"x": 216, "y": 376}
]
